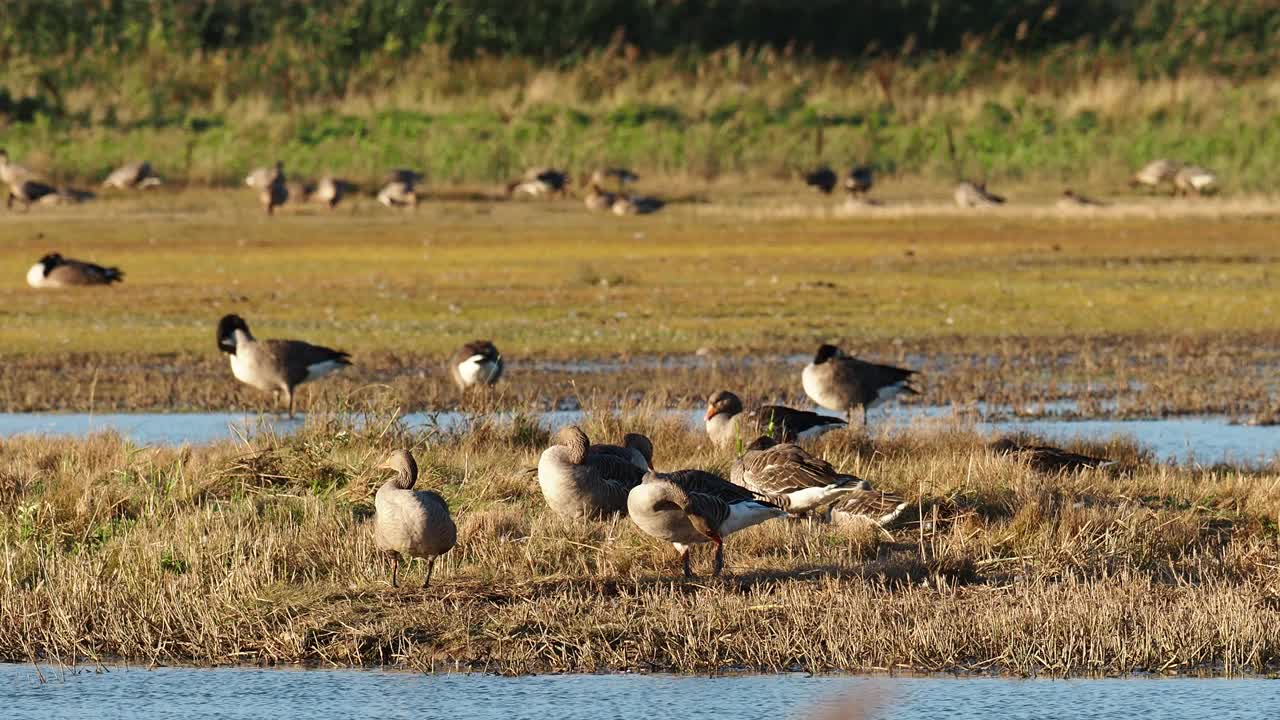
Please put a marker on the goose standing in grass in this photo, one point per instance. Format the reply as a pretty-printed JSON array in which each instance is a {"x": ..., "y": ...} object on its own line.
[
  {"x": 970, "y": 194},
  {"x": 401, "y": 189},
  {"x": 823, "y": 180},
  {"x": 272, "y": 186},
  {"x": 664, "y": 510},
  {"x": 275, "y": 365},
  {"x": 598, "y": 198},
  {"x": 841, "y": 383},
  {"x": 790, "y": 477},
  {"x": 55, "y": 271},
  {"x": 1048, "y": 459},
  {"x": 410, "y": 523},
  {"x": 859, "y": 181},
  {"x": 476, "y": 363},
  {"x": 133, "y": 176},
  {"x": 727, "y": 423},
  {"x": 882, "y": 508},
  {"x": 1072, "y": 199},
  {"x": 1193, "y": 179},
  {"x": 1156, "y": 173},
  {"x": 540, "y": 182},
  {"x": 577, "y": 483}
]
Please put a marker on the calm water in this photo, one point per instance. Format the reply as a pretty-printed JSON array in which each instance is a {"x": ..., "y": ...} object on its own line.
[{"x": 192, "y": 694}]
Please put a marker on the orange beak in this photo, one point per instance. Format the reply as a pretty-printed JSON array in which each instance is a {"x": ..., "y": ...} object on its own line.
[{"x": 711, "y": 412}]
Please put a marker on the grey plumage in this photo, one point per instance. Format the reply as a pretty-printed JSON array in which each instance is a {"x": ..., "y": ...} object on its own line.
[
  {"x": 970, "y": 194},
  {"x": 842, "y": 383},
  {"x": 727, "y": 423},
  {"x": 410, "y": 523},
  {"x": 275, "y": 365},
  {"x": 578, "y": 483},
  {"x": 133, "y": 176},
  {"x": 475, "y": 363},
  {"x": 791, "y": 477}
]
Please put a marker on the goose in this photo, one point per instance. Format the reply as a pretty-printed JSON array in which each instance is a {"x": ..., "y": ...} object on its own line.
[
  {"x": 636, "y": 449},
  {"x": 726, "y": 422},
  {"x": 577, "y": 483},
  {"x": 1195, "y": 179},
  {"x": 1073, "y": 199},
  {"x": 637, "y": 205},
  {"x": 823, "y": 180},
  {"x": 330, "y": 191},
  {"x": 476, "y": 363},
  {"x": 662, "y": 509},
  {"x": 132, "y": 176},
  {"x": 623, "y": 176},
  {"x": 1049, "y": 459},
  {"x": 883, "y": 508},
  {"x": 599, "y": 199},
  {"x": 841, "y": 383},
  {"x": 975, "y": 195},
  {"x": 410, "y": 523},
  {"x": 1156, "y": 173},
  {"x": 55, "y": 271},
  {"x": 272, "y": 186},
  {"x": 65, "y": 196},
  {"x": 26, "y": 191},
  {"x": 859, "y": 181},
  {"x": 400, "y": 189},
  {"x": 11, "y": 172},
  {"x": 783, "y": 470},
  {"x": 275, "y": 365},
  {"x": 540, "y": 182}
]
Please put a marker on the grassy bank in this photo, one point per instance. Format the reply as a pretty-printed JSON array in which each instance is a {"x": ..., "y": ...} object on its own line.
[{"x": 261, "y": 553}]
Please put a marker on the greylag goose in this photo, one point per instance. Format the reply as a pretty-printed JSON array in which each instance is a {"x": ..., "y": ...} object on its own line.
[
  {"x": 401, "y": 189},
  {"x": 275, "y": 365},
  {"x": 841, "y": 383},
  {"x": 578, "y": 483},
  {"x": 823, "y": 180},
  {"x": 636, "y": 449},
  {"x": 975, "y": 195},
  {"x": 598, "y": 199},
  {"x": 133, "y": 176},
  {"x": 1073, "y": 199},
  {"x": 860, "y": 180},
  {"x": 1048, "y": 459},
  {"x": 1156, "y": 173},
  {"x": 727, "y": 423},
  {"x": 882, "y": 508},
  {"x": 55, "y": 271},
  {"x": 664, "y": 510},
  {"x": 1195, "y": 179},
  {"x": 410, "y": 523},
  {"x": 782, "y": 470},
  {"x": 475, "y": 363},
  {"x": 540, "y": 182}
]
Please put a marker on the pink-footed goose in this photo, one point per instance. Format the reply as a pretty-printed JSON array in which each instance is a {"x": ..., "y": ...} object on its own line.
[{"x": 410, "y": 523}]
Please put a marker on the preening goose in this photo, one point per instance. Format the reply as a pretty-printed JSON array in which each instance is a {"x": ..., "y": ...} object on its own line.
[
  {"x": 578, "y": 483},
  {"x": 1193, "y": 179},
  {"x": 664, "y": 510},
  {"x": 475, "y": 363},
  {"x": 55, "y": 271},
  {"x": 1156, "y": 173},
  {"x": 975, "y": 195},
  {"x": 841, "y": 383},
  {"x": 790, "y": 477},
  {"x": 133, "y": 176},
  {"x": 275, "y": 365},
  {"x": 636, "y": 449},
  {"x": 410, "y": 523},
  {"x": 727, "y": 423},
  {"x": 540, "y": 182},
  {"x": 823, "y": 180}
]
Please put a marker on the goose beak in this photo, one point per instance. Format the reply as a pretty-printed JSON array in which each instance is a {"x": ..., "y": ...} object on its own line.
[{"x": 711, "y": 412}]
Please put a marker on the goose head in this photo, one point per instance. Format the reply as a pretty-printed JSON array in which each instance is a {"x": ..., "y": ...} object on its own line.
[
  {"x": 227, "y": 328},
  {"x": 575, "y": 440},
  {"x": 641, "y": 444},
  {"x": 825, "y": 353},
  {"x": 401, "y": 462},
  {"x": 723, "y": 403}
]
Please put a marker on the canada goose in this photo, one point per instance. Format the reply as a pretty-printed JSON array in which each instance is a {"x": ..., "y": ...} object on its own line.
[
  {"x": 1072, "y": 199},
  {"x": 65, "y": 196},
  {"x": 272, "y": 186},
  {"x": 975, "y": 195},
  {"x": 598, "y": 199},
  {"x": 476, "y": 363},
  {"x": 55, "y": 271},
  {"x": 790, "y": 477},
  {"x": 621, "y": 175},
  {"x": 26, "y": 191},
  {"x": 540, "y": 182},
  {"x": 665, "y": 511},
  {"x": 275, "y": 365},
  {"x": 823, "y": 180},
  {"x": 577, "y": 483},
  {"x": 1195, "y": 179},
  {"x": 1048, "y": 459},
  {"x": 132, "y": 176},
  {"x": 883, "y": 508},
  {"x": 1156, "y": 173},
  {"x": 410, "y": 523},
  {"x": 726, "y": 422},
  {"x": 330, "y": 191},
  {"x": 636, "y": 205},
  {"x": 841, "y": 383},
  {"x": 859, "y": 181}
]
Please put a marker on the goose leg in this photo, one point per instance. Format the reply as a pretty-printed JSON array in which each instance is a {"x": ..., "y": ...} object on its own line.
[
  {"x": 395, "y": 569},
  {"x": 431, "y": 564},
  {"x": 684, "y": 559},
  {"x": 289, "y": 395},
  {"x": 719, "y": 564}
]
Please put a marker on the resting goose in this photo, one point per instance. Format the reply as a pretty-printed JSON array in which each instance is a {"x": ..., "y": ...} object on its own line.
[
  {"x": 1049, "y": 459},
  {"x": 275, "y": 365},
  {"x": 1195, "y": 179},
  {"x": 1073, "y": 199},
  {"x": 331, "y": 190},
  {"x": 841, "y": 383},
  {"x": 859, "y": 181},
  {"x": 823, "y": 180},
  {"x": 410, "y": 523},
  {"x": 132, "y": 176},
  {"x": 578, "y": 483},
  {"x": 783, "y": 470},
  {"x": 727, "y": 423},
  {"x": 664, "y": 510},
  {"x": 401, "y": 189},
  {"x": 636, "y": 449},
  {"x": 975, "y": 195},
  {"x": 598, "y": 199},
  {"x": 476, "y": 363},
  {"x": 637, "y": 205},
  {"x": 882, "y": 508},
  {"x": 55, "y": 271},
  {"x": 540, "y": 182},
  {"x": 1156, "y": 173}
]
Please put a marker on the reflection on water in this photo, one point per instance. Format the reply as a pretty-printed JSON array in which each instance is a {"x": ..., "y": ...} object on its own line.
[
  {"x": 1205, "y": 440},
  {"x": 193, "y": 694}
]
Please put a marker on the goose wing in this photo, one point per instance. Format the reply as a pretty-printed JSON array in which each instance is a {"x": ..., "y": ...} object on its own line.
[
  {"x": 300, "y": 359},
  {"x": 788, "y": 424}
]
